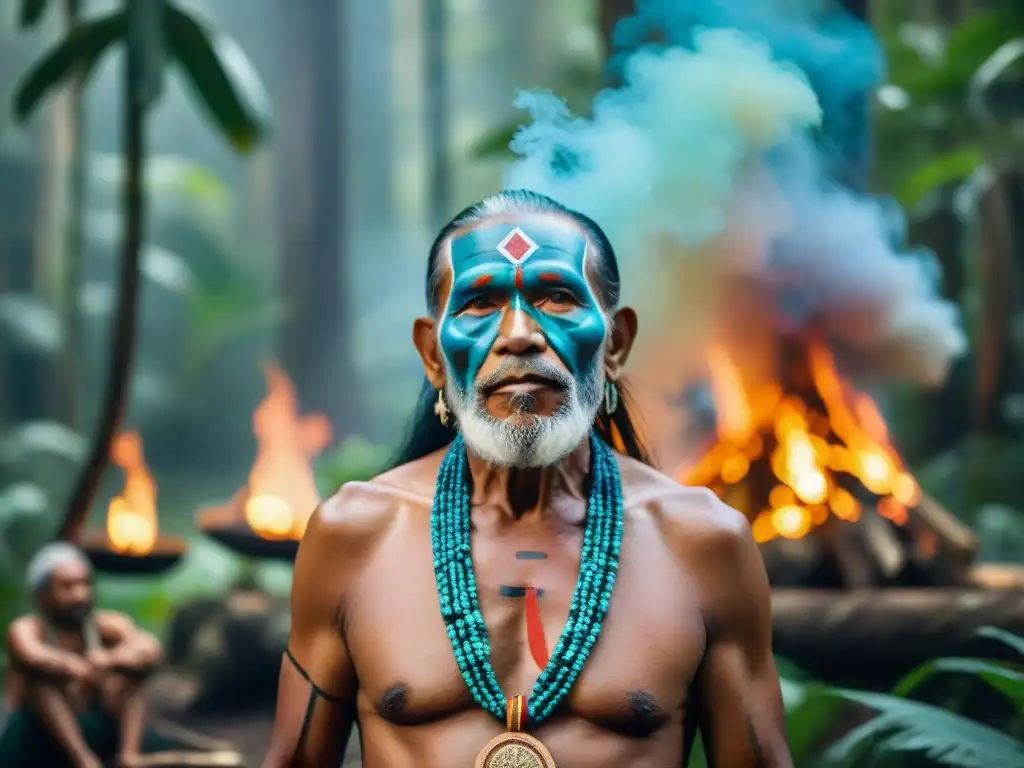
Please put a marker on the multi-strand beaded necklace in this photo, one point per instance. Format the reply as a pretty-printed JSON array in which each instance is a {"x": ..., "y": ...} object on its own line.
[{"x": 460, "y": 604}]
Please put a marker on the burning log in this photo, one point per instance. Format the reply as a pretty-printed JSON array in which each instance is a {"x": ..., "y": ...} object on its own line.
[
  {"x": 997, "y": 576},
  {"x": 810, "y": 462}
]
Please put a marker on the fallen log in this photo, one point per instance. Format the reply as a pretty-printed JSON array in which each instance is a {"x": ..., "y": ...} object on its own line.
[{"x": 869, "y": 638}]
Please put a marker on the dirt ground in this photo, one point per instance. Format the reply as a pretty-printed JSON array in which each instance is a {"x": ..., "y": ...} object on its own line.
[{"x": 250, "y": 733}]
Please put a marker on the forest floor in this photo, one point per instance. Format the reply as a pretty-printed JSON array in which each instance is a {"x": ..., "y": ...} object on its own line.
[{"x": 249, "y": 732}]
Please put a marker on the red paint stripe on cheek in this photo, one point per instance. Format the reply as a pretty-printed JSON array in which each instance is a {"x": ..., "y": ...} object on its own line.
[
  {"x": 519, "y": 277},
  {"x": 549, "y": 277},
  {"x": 483, "y": 280}
]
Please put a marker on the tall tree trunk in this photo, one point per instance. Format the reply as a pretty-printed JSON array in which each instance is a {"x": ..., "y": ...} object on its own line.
[
  {"x": 316, "y": 350},
  {"x": 438, "y": 107},
  {"x": 73, "y": 229},
  {"x": 46, "y": 395},
  {"x": 124, "y": 329},
  {"x": 997, "y": 287},
  {"x": 609, "y": 13}
]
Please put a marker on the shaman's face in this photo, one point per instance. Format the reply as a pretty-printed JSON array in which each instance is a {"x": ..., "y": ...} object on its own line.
[{"x": 523, "y": 335}]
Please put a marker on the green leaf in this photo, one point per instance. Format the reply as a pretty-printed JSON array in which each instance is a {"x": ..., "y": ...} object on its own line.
[
  {"x": 33, "y": 440},
  {"x": 79, "y": 51},
  {"x": 1014, "y": 641},
  {"x": 791, "y": 670},
  {"x": 221, "y": 76},
  {"x": 967, "y": 48},
  {"x": 1007, "y": 681},
  {"x": 495, "y": 142},
  {"x": 221, "y": 318},
  {"x": 30, "y": 324},
  {"x": 808, "y": 719},
  {"x": 904, "y": 726},
  {"x": 356, "y": 459},
  {"x": 21, "y": 500},
  {"x": 146, "y": 56},
  {"x": 31, "y": 12},
  {"x": 948, "y": 168}
]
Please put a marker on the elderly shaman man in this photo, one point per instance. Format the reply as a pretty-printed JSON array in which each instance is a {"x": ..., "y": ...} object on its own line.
[
  {"x": 76, "y": 673},
  {"x": 523, "y": 589}
]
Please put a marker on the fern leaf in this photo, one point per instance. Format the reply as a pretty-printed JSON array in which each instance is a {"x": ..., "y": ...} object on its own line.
[
  {"x": 1008, "y": 638},
  {"x": 1007, "y": 681},
  {"x": 904, "y": 726}
]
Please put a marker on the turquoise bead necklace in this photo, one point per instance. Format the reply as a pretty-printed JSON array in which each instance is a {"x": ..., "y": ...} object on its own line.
[{"x": 460, "y": 604}]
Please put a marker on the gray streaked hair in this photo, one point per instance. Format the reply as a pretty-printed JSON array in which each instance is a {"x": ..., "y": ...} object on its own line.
[
  {"x": 48, "y": 559},
  {"x": 526, "y": 202}
]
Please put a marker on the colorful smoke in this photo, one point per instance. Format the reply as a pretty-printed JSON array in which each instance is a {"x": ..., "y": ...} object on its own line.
[{"x": 720, "y": 154}]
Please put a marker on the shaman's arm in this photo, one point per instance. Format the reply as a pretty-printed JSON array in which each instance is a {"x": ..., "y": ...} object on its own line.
[
  {"x": 740, "y": 710},
  {"x": 317, "y": 685}
]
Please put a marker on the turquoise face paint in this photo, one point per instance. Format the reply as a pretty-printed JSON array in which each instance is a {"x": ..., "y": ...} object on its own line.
[{"x": 512, "y": 267}]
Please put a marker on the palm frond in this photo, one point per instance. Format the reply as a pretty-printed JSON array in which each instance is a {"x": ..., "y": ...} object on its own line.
[
  {"x": 1007, "y": 681},
  {"x": 904, "y": 726},
  {"x": 1007, "y": 638}
]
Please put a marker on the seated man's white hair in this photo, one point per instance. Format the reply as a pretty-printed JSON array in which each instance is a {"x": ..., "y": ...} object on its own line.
[{"x": 48, "y": 559}]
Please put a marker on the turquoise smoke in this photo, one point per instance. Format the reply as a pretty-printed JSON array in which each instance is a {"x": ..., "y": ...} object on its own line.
[
  {"x": 663, "y": 153},
  {"x": 668, "y": 156},
  {"x": 838, "y": 53}
]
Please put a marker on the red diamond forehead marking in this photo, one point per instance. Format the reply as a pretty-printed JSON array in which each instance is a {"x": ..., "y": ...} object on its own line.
[{"x": 517, "y": 247}]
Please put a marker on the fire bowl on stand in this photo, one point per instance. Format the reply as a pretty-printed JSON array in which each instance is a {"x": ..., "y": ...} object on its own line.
[
  {"x": 243, "y": 540},
  {"x": 226, "y": 524},
  {"x": 166, "y": 553}
]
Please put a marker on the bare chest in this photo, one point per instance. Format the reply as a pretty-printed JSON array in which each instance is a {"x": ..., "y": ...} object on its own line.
[{"x": 635, "y": 680}]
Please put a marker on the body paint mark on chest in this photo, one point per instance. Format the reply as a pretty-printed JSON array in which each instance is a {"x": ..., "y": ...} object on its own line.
[{"x": 516, "y": 592}]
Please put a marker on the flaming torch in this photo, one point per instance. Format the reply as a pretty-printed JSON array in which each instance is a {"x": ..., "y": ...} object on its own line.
[
  {"x": 268, "y": 517},
  {"x": 132, "y": 542}
]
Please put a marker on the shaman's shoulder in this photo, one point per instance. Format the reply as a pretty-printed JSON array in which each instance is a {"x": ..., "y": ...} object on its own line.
[
  {"x": 688, "y": 518},
  {"x": 349, "y": 523},
  {"x": 359, "y": 515}
]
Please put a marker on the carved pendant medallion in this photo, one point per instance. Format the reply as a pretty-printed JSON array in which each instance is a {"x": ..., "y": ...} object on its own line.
[{"x": 514, "y": 750}]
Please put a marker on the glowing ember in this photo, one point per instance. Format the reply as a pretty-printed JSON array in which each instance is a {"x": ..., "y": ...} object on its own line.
[
  {"x": 282, "y": 491},
  {"x": 817, "y": 447},
  {"x": 131, "y": 515}
]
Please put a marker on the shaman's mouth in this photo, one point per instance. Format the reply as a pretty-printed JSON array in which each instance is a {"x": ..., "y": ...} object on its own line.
[{"x": 527, "y": 384}]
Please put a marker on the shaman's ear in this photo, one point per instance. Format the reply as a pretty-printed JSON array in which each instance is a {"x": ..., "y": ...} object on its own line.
[
  {"x": 424, "y": 336},
  {"x": 620, "y": 342}
]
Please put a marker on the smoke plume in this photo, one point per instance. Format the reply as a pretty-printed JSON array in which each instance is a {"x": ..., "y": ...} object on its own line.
[{"x": 721, "y": 154}]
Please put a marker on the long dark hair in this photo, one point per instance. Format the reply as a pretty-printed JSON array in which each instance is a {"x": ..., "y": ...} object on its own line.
[{"x": 425, "y": 433}]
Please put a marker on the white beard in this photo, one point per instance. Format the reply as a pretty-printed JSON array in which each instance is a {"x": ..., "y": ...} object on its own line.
[{"x": 527, "y": 441}]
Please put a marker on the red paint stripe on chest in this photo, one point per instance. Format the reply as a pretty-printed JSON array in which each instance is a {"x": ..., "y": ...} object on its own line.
[
  {"x": 519, "y": 277},
  {"x": 483, "y": 280},
  {"x": 535, "y": 629}
]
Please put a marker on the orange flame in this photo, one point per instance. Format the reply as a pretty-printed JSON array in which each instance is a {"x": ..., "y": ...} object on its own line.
[
  {"x": 131, "y": 515},
  {"x": 809, "y": 448},
  {"x": 282, "y": 491}
]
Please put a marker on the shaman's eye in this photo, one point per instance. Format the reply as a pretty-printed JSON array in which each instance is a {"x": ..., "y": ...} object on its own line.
[
  {"x": 479, "y": 305},
  {"x": 557, "y": 300}
]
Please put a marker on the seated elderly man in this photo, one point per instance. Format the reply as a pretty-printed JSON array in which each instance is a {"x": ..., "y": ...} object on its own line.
[{"x": 76, "y": 673}]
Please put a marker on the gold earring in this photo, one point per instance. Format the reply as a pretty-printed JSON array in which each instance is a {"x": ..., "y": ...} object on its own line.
[
  {"x": 441, "y": 408},
  {"x": 611, "y": 397}
]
